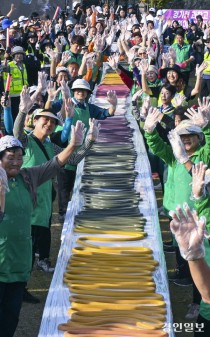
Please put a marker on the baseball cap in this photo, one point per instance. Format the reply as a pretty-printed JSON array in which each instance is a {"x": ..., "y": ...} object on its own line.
[{"x": 6, "y": 23}]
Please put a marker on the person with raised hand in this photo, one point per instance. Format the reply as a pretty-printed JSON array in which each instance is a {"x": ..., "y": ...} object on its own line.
[
  {"x": 184, "y": 150},
  {"x": 190, "y": 233},
  {"x": 39, "y": 149},
  {"x": 18, "y": 197}
]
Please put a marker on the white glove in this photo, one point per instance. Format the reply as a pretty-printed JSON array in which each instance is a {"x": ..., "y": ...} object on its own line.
[
  {"x": 93, "y": 130},
  {"x": 151, "y": 120},
  {"x": 65, "y": 89},
  {"x": 25, "y": 100},
  {"x": 198, "y": 118},
  {"x": 189, "y": 232},
  {"x": 112, "y": 97},
  {"x": 137, "y": 95},
  {"x": 178, "y": 147},
  {"x": 77, "y": 134},
  {"x": 42, "y": 82}
]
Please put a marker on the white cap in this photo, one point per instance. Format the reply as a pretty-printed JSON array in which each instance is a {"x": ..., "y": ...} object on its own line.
[
  {"x": 32, "y": 89},
  {"x": 75, "y": 3},
  {"x": 69, "y": 22},
  {"x": 150, "y": 18},
  {"x": 60, "y": 69},
  {"x": 2, "y": 37},
  {"x": 152, "y": 10},
  {"x": 81, "y": 84},
  {"x": 159, "y": 12},
  {"x": 22, "y": 18},
  {"x": 99, "y": 9}
]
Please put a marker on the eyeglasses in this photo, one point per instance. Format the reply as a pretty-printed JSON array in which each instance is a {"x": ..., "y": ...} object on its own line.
[{"x": 144, "y": 53}]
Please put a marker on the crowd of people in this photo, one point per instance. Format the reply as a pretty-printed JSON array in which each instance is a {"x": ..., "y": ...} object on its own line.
[{"x": 48, "y": 70}]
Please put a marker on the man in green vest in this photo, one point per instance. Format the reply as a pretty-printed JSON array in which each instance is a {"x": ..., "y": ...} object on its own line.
[
  {"x": 82, "y": 111},
  {"x": 184, "y": 54},
  {"x": 77, "y": 42}
]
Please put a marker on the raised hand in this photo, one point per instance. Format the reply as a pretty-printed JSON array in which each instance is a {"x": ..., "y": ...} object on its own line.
[
  {"x": 77, "y": 134},
  {"x": 112, "y": 97},
  {"x": 42, "y": 81},
  {"x": 172, "y": 55},
  {"x": 138, "y": 94},
  {"x": 98, "y": 43},
  {"x": 166, "y": 60},
  {"x": 144, "y": 64},
  {"x": 131, "y": 54},
  {"x": 198, "y": 179},
  {"x": 51, "y": 90},
  {"x": 66, "y": 57},
  {"x": 205, "y": 106},
  {"x": 69, "y": 108},
  {"x": 189, "y": 232},
  {"x": 53, "y": 55},
  {"x": 197, "y": 117},
  {"x": 151, "y": 53},
  {"x": 8, "y": 101},
  {"x": 151, "y": 120},
  {"x": 58, "y": 46},
  {"x": 65, "y": 89},
  {"x": 178, "y": 147},
  {"x": 199, "y": 69},
  {"x": 145, "y": 107},
  {"x": 25, "y": 100},
  {"x": 93, "y": 130},
  {"x": 179, "y": 99},
  {"x": 112, "y": 62}
]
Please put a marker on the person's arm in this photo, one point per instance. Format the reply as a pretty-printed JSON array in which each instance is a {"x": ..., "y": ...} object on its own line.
[
  {"x": 12, "y": 8},
  {"x": 189, "y": 234},
  {"x": 24, "y": 107},
  {"x": 69, "y": 114},
  {"x": 8, "y": 120},
  {"x": 199, "y": 71},
  {"x": 145, "y": 86},
  {"x": 158, "y": 146},
  {"x": 200, "y": 273}
]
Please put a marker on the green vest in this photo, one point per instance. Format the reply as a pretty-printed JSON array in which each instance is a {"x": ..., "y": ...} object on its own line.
[
  {"x": 15, "y": 234},
  {"x": 80, "y": 115},
  {"x": 34, "y": 156},
  {"x": 207, "y": 59},
  {"x": 182, "y": 54},
  {"x": 74, "y": 58},
  {"x": 205, "y": 307},
  {"x": 19, "y": 78}
]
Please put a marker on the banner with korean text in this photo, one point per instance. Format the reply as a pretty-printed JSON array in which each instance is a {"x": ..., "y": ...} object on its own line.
[{"x": 182, "y": 15}]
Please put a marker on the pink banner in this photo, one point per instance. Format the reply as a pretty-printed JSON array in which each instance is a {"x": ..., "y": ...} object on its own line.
[{"x": 182, "y": 15}]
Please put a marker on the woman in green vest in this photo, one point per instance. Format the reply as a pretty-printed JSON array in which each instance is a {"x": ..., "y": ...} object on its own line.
[
  {"x": 18, "y": 197},
  {"x": 38, "y": 150},
  {"x": 195, "y": 248}
]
